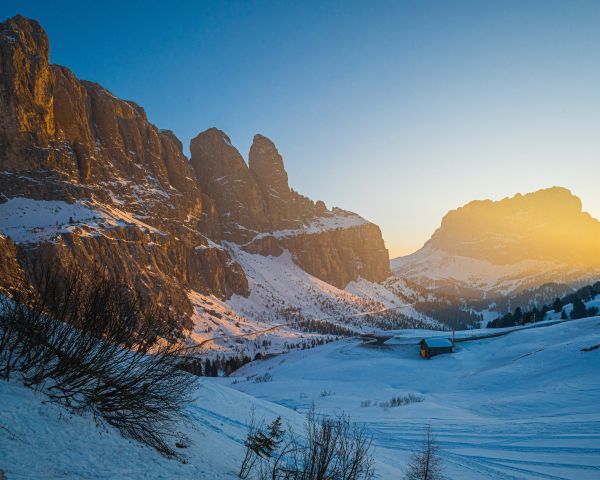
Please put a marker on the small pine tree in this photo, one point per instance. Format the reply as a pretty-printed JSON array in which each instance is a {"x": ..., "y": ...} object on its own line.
[
  {"x": 261, "y": 442},
  {"x": 425, "y": 464}
]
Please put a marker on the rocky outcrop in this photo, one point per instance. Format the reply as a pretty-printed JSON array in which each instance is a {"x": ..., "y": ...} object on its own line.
[
  {"x": 283, "y": 206},
  {"x": 224, "y": 176},
  {"x": 340, "y": 256},
  {"x": 26, "y": 86},
  {"x": 259, "y": 210}
]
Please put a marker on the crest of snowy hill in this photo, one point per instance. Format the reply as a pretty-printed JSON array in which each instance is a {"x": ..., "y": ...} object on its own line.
[
  {"x": 489, "y": 250},
  {"x": 86, "y": 179}
]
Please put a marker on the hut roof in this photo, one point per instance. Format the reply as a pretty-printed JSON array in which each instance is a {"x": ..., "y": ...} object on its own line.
[{"x": 437, "y": 342}]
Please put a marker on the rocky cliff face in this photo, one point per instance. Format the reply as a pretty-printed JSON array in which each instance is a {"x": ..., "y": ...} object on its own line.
[
  {"x": 109, "y": 188},
  {"x": 66, "y": 139},
  {"x": 259, "y": 210}
]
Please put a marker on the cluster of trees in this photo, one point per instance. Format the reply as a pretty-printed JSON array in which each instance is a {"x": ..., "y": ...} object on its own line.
[
  {"x": 576, "y": 299},
  {"x": 389, "y": 320},
  {"x": 451, "y": 315},
  {"x": 309, "y": 343},
  {"x": 323, "y": 327},
  {"x": 216, "y": 367},
  {"x": 89, "y": 345}
]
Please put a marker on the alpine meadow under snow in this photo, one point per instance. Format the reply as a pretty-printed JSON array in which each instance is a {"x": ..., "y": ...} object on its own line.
[{"x": 519, "y": 406}]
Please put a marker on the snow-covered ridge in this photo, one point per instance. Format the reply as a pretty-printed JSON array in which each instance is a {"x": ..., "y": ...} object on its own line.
[
  {"x": 434, "y": 264},
  {"x": 25, "y": 220},
  {"x": 338, "y": 219}
]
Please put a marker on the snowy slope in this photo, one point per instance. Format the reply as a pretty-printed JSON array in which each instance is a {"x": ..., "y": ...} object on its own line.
[
  {"x": 430, "y": 265},
  {"x": 32, "y": 221},
  {"x": 44, "y": 441},
  {"x": 281, "y": 293},
  {"x": 521, "y": 406}
]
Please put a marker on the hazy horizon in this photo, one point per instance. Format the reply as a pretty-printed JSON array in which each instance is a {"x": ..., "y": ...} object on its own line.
[{"x": 395, "y": 110}]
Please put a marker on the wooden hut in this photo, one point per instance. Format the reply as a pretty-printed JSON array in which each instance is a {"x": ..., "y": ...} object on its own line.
[{"x": 435, "y": 346}]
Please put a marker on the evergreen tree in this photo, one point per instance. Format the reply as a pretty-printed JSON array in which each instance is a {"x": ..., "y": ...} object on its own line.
[
  {"x": 518, "y": 316},
  {"x": 579, "y": 309},
  {"x": 563, "y": 315},
  {"x": 557, "y": 305}
]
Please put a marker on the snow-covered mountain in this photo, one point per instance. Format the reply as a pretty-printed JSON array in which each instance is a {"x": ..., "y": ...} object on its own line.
[{"x": 488, "y": 250}]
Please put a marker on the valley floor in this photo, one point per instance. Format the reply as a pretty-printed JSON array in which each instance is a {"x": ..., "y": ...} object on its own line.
[{"x": 521, "y": 406}]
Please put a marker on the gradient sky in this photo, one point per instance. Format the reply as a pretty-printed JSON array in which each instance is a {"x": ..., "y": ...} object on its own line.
[{"x": 397, "y": 110}]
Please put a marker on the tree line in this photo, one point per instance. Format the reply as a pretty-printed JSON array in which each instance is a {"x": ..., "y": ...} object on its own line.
[{"x": 577, "y": 299}]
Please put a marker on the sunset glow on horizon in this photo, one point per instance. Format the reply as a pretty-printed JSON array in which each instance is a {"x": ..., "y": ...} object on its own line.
[{"x": 386, "y": 109}]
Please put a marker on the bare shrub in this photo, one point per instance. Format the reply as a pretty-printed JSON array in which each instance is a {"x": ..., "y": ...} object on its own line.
[
  {"x": 267, "y": 377},
  {"x": 401, "y": 401},
  {"x": 425, "y": 463},
  {"x": 328, "y": 449},
  {"x": 88, "y": 344}
]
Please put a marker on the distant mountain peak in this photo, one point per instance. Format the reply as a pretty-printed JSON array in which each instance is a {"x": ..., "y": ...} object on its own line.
[
  {"x": 548, "y": 224},
  {"x": 488, "y": 249}
]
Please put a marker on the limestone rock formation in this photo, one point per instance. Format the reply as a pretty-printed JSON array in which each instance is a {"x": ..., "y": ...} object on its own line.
[
  {"x": 545, "y": 225},
  {"x": 256, "y": 204}
]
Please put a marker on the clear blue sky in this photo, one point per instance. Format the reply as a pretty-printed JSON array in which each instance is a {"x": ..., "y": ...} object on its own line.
[{"x": 397, "y": 110}]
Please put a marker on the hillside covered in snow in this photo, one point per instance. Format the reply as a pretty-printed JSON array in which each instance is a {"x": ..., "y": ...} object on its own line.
[{"x": 519, "y": 406}]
